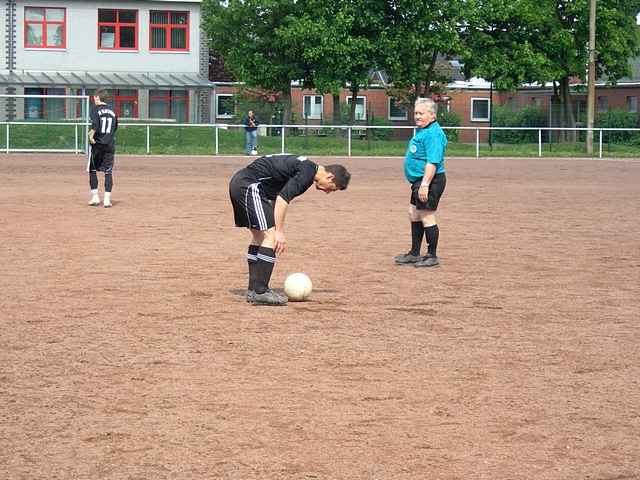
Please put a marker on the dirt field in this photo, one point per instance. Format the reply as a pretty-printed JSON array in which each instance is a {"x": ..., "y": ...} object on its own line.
[{"x": 127, "y": 350}]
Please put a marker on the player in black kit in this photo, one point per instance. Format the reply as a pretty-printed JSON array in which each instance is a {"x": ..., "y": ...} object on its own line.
[
  {"x": 104, "y": 123},
  {"x": 260, "y": 194}
]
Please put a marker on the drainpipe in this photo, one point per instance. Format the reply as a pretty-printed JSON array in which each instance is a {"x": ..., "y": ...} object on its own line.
[
  {"x": 11, "y": 35},
  {"x": 10, "y": 40}
]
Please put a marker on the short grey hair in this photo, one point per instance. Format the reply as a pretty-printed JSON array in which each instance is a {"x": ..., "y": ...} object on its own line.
[{"x": 428, "y": 103}]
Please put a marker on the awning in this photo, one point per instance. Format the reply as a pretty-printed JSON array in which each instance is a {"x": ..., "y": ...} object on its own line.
[{"x": 123, "y": 80}]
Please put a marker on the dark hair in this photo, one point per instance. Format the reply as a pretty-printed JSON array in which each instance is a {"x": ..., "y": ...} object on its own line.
[
  {"x": 341, "y": 176},
  {"x": 103, "y": 94}
]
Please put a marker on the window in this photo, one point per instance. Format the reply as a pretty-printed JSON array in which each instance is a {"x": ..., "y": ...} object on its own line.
[
  {"x": 117, "y": 29},
  {"x": 81, "y": 104},
  {"x": 536, "y": 102},
  {"x": 312, "y": 107},
  {"x": 169, "y": 104},
  {"x": 510, "y": 103},
  {"x": 225, "y": 105},
  {"x": 125, "y": 103},
  {"x": 632, "y": 104},
  {"x": 169, "y": 30},
  {"x": 603, "y": 104},
  {"x": 361, "y": 107},
  {"x": 397, "y": 111},
  {"x": 479, "y": 109},
  {"x": 45, "y": 27},
  {"x": 41, "y": 108}
]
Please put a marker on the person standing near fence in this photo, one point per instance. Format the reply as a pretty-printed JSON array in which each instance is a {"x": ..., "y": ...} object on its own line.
[
  {"x": 250, "y": 123},
  {"x": 104, "y": 123},
  {"x": 424, "y": 170}
]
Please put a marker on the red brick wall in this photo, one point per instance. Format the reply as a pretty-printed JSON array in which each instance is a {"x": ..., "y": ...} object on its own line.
[
  {"x": 377, "y": 103},
  {"x": 460, "y": 103},
  {"x": 617, "y": 96}
]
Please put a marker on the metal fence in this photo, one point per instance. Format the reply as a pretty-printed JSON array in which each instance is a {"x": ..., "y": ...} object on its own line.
[
  {"x": 74, "y": 138},
  {"x": 79, "y": 103}
]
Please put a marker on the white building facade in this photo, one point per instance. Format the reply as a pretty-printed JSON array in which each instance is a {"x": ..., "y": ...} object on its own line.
[{"x": 151, "y": 55}]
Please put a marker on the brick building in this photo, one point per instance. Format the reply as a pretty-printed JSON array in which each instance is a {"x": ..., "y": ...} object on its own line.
[{"x": 471, "y": 99}]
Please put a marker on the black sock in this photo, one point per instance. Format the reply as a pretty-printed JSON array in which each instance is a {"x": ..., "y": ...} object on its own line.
[
  {"x": 264, "y": 268},
  {"x": 252, "y": 260},
  {"x": 108, "y": 182},
  {"x": 417, "y": 230},
  {"x": 432, "y": 233},
  {"x": 93, "y": 180}
]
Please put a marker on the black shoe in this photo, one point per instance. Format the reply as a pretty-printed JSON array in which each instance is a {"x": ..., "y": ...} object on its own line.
[
  {"x": 406, "y": 258},
  {"x": 269, "y": 297},
  {"x": 428, "y": 261}
]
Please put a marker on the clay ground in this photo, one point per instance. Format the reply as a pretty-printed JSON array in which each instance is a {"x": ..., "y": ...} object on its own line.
[{"x": 127, "y": 350}]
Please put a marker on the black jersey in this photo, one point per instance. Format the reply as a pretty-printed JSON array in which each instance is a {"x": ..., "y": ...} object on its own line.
[
  {"x": 284, "y": 175},
  {"x": 104, "y": 123}
]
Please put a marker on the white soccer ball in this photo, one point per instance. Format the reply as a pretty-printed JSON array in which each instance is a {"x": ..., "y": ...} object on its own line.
[{"x": 298, "y": 287}]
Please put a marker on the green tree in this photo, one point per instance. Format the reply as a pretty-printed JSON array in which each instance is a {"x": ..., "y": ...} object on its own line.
[
  {"x": 252, "y": 36},
  {"x": 338, "y": 41},
  {"x": 417, "y": 39},
  {"x": 544, "y": 41}
]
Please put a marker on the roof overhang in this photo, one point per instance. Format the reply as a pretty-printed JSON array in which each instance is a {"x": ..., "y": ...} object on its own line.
[{"x": 172, "y": 80}]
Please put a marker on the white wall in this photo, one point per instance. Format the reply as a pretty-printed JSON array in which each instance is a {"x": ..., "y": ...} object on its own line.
[{"x": 82, "y": 54}]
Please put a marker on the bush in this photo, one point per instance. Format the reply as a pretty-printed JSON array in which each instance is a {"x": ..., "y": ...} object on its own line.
[
  {"x": 527, "y": 117},
  {"x": 449, "y": 119},
  {"x": 371, "y": 121},
  {"x": 266, "y": 112},
  {"x": 379, "y": 133},
  {"x": 619, "y": 119}
]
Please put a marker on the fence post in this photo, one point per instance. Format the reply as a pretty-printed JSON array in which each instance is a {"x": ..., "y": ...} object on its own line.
[
  {"x": 7, "y": 137},
  {"x": 148, "y": 141},
  {"x": 477, "y": 143},
  {"x": 87, "y": 124},
  {"x": 600, "y": 153},
  {"x": 349, "y": 142},
  {"x": 75, "y": 128},
  {"x": 282, "y": 135},
  {"x": 539, "y": 142},
  {"x": 215, "y": 133}
]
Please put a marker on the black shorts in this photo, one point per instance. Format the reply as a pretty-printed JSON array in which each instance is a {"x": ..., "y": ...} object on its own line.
[
  {"x": 251, "y": 208},
  {"x": 436, "y": 189},
  {"x": 102, "y": 157}
]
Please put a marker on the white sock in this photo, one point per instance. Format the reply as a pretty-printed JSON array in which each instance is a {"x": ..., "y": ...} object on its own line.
[
  {"x": 107, "y": 196},
  {"x": 94, "y": 193}
]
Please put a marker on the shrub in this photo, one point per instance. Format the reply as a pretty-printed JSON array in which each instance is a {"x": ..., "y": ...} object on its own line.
[
  {"x": 449, "y": 119},
  {"x": 527, "y": 117},
  {"x": 619, "y": 119},
  {"x": 371, "y": 121},
  {"x": 379, "y": 133},
  {"x": 266, "y": 112}
]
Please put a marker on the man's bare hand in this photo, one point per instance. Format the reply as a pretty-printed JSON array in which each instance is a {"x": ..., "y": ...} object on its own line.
[
  {"x": 281, "y": 243},
  {"x": 423, "y": 193}
]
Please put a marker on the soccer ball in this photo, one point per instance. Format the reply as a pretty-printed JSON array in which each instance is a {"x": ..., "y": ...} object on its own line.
[{"x": 298, "y": 287}]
